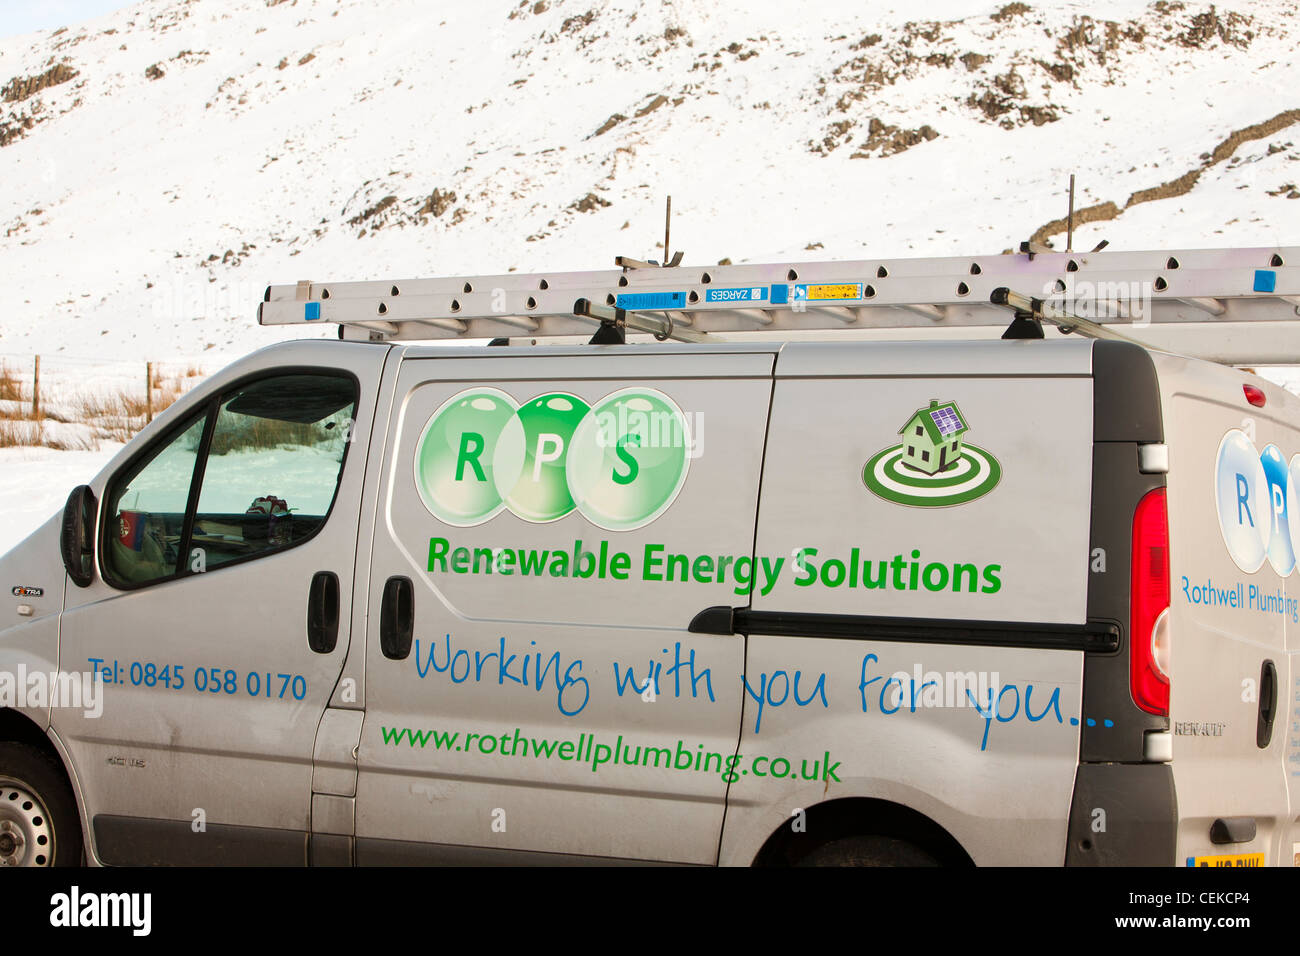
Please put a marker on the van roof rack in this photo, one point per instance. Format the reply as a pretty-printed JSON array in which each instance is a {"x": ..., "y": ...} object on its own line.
[{"x": 1234, "y": 306}]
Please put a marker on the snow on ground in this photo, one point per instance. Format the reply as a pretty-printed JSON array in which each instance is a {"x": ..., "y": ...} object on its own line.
[{"x": 35, "y": 482}]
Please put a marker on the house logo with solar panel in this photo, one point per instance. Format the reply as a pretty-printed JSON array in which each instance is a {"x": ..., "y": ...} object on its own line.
[{"x": 933, "y": 466}]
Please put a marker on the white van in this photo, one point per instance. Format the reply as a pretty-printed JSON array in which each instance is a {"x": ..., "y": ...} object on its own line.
[{"x": 775, "y": 602}]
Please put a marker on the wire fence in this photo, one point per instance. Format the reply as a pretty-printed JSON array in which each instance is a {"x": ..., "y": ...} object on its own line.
[{"x": 78, "y": 402}]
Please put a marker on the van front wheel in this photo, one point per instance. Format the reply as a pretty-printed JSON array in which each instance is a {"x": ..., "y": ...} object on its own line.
[
  {"x": 868, "y": 851},
  {"x": 38, "y": 815}
]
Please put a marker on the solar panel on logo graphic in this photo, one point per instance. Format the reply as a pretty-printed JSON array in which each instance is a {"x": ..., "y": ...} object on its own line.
[{"x": 946, "y": 420}]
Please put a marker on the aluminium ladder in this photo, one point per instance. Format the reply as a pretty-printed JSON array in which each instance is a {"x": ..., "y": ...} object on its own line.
[{"x": 1235, "y": 306}]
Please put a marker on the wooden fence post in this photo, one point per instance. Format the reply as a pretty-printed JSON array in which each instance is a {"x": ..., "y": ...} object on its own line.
[
  {"x": 148, "y": 390},
  {"x": 36, "y": 390}
]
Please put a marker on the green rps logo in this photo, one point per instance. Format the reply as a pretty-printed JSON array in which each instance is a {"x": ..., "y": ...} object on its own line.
[
  {"x": 619, "y": 462},
  {"x": 933, "y": 466}
]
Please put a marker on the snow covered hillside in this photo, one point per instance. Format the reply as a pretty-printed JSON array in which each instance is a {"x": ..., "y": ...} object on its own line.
[{"x": 164, "y": 163}]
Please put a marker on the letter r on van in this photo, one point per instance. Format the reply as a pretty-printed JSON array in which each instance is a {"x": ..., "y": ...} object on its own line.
[
  {"x": 471, "y": 446},
  {"x": 1243, "y": 499}
]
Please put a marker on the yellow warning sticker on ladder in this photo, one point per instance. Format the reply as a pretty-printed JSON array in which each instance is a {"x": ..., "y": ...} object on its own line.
[{"x": 828, "y": 291}]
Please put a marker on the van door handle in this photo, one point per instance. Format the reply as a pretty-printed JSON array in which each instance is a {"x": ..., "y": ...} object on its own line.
[
  {"x": 397, "y": 618},
  {"x": 1267, "y": 705},
  {"x": 323, "y": 612}
]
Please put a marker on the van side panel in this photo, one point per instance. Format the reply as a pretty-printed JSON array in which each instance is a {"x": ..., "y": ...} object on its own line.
[
  {"x": 922, "y": 642},
  {"x": 1233, "y": 607},
  {"x": 552, "y": 704}
]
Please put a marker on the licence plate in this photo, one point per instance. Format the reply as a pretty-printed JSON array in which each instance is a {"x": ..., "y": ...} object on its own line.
[{"x": 1238, "y": 859}]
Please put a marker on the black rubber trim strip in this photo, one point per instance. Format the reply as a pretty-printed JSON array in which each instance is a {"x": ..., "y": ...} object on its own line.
[
  {"x": 1099, "y": 636},
  {"x": 374, "y": 851},
  {"x": 329, "y": 849},
  {"x": 145, "y": 841}
]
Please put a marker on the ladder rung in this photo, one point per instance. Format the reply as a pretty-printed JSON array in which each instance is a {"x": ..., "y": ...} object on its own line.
[{"x": 1212, "y": 306}]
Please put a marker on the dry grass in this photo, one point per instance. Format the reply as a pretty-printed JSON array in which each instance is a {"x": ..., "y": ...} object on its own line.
[
  {"x": 122, "y": 404},
  {"x": 31, "y": 433},
  {"x": 11, "y": 389},
  {"x": 14, "y": 433},
  {"x": 115, "y": 416},
  {"x": 71, "y": 443},
  {"x": 119, "y": 415}
]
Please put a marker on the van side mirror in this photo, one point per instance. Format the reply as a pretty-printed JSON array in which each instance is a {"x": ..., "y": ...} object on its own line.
[{"x": 77, "y": 541}]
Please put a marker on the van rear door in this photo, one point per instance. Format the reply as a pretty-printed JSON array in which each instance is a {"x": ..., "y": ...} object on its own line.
[
  {"x": 545, "y": 536},
  {"x": 1234, "y": 613},
  {"x": 918, "y": 636}
]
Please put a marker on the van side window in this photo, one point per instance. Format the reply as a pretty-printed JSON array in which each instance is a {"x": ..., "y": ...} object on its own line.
[
  {"x": 146, "y": 509},
  {"x": 273, "y": 465},
  {"x": 264, "y": 465}
]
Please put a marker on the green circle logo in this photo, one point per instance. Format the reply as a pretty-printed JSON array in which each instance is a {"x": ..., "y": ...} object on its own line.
[
  {"x": 620, "y": 463},
  {"x": 530, "y": 459},
  {"x": 628, "y": 459},
  {"x": 972, "y": 474},
  {"x": 454, "y": 456}
]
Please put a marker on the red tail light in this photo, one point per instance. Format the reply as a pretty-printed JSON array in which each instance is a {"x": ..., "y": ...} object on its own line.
[
  {"x": 1149, "y": 606},
  {"x": 1254, "y": 395}
]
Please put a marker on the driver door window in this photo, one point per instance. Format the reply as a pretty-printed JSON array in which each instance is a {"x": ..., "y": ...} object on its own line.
[
  {"x": 272, "y": 467},
  {"x": 255, "y": 472},
  {"x": 147, "y": 509}
]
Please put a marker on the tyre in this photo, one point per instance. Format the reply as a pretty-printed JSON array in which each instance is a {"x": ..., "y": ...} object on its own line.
[
  {"x": 868, "y": 851},
  {"x": 39, "y": 825}
]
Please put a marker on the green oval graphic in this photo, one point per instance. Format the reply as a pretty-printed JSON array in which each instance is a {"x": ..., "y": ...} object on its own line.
[
  {"x": 974, "y": 474},
  {"x": 532, "y": 455},
  {"x": 453, "y": 458},
  {"x": 629, "y": 459}
]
